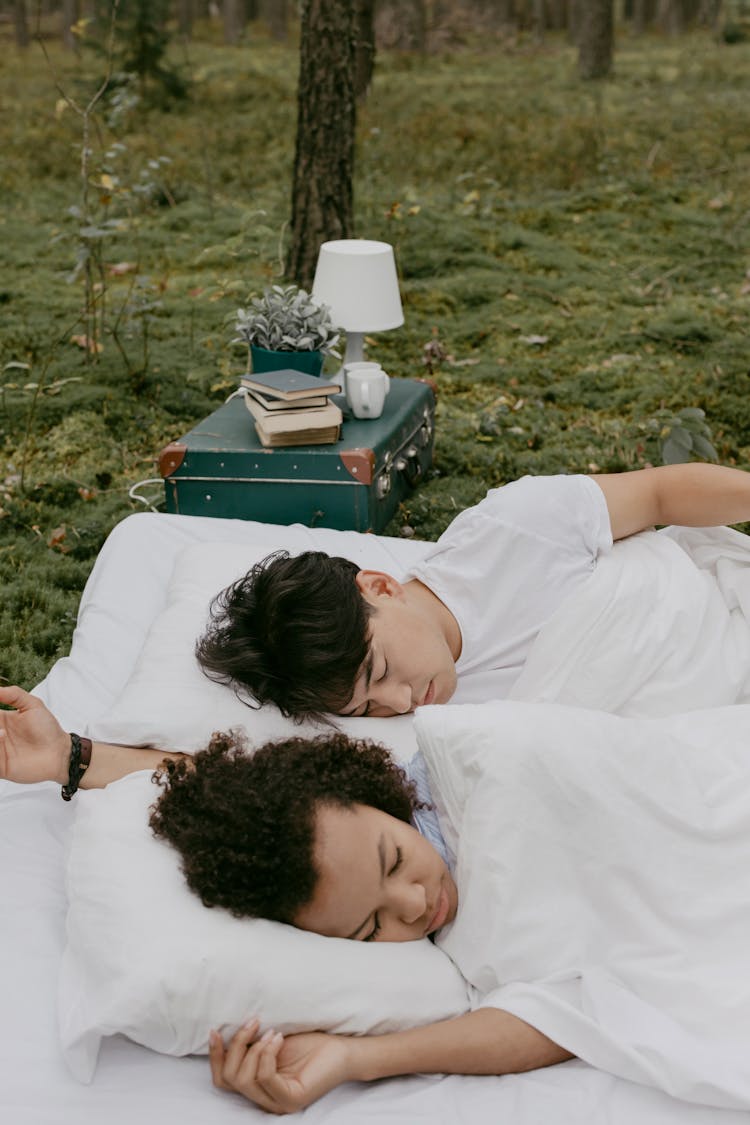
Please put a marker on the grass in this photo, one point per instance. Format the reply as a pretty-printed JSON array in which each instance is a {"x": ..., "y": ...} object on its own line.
[{"x": 580, "y": 252}]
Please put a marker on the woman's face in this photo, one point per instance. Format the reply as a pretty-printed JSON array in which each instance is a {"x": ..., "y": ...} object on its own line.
[{"x": 379, "y": 879}]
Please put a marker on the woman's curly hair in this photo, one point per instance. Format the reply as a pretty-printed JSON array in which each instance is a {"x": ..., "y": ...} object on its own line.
[{"x": 244, "y": 823}]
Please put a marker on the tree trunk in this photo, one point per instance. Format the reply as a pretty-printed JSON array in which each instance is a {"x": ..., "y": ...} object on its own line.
[
  {"x": 406, "y": 22},
  {"x": 233, "y": 21},
  {"x": 364, "y": 63},
  {"x": 538, "y": 19},
  {"x": 71, "y": 13},
  {"x": 595, "y": 38},
  {"x": 275, "y": 13},
  {"x": 322, "y": 206},
  {"x": 21, "y": 22},
  {"x": 669, "y": 16},
  {"x": 639, "y": 17},
  {"x": 709, "y": 12},
  {"x": 185, "y": 17}
]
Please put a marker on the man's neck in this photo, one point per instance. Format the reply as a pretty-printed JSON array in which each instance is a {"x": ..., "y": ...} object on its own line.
[{"x": 421, "y": 596}]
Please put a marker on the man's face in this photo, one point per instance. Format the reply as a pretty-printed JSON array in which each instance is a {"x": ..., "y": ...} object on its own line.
[
  {"x": 378, "y": 879},
  {"x": 409, "y": 662}
]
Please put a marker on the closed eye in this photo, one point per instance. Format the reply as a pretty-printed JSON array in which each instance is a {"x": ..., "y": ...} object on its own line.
[
  {"x": 374, "y": 931},
  {"x": 385, "y": 670},
  {"x": 397, "y": 864}
]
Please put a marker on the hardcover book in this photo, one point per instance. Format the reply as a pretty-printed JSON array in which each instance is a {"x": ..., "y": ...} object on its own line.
[
  {"x": 289, "y": 385},
  {"x": 292, "y": 421},
  {"x": 269, "y": 403},
  {"x": 301, "y": 437}
]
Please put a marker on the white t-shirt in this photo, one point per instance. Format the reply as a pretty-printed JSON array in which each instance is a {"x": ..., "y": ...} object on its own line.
[{"x": 503, "y": 567}]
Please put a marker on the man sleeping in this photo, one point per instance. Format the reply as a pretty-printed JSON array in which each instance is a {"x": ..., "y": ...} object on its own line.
[{"x": 315, "y": 635}]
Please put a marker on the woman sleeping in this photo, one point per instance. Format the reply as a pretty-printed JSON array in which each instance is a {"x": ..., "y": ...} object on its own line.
[
  {"x": 319, "y": 834},
  {"x": 602, "y": 872}
]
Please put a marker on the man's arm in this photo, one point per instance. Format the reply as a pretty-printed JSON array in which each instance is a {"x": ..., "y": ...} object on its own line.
[
  {"x": 283, "y": 1075},
  {"x": 34, "y": 747},
  {"x": 694, "y": 495}
]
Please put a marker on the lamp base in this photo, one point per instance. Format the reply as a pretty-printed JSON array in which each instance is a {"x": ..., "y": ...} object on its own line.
[{"x": 354, "y": 348}]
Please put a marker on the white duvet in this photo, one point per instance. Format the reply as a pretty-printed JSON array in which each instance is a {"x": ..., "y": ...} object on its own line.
[
  {"x": 662, "y": 626},
  {"x": 603, "y": 860}
]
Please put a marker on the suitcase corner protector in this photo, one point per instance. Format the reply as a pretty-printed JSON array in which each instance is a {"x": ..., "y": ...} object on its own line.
[
  {"x": 171, "y": 457},
  {"x": 359, "y": 463}
]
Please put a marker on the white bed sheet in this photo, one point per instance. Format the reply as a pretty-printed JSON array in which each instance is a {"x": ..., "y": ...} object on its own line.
[{"x": 133, "y": 1085}]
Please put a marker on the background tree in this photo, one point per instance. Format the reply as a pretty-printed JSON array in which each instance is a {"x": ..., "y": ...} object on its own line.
[
  {"x": 21, "y": 23},
  {"x": 364, "y": 48},
  {"x": 71, "y": 13},
  {"x": 595, "y": 38},
  {"x": 233, "y": 17},
  {"x": 185, "y": 17},
  {"x": 276, "y": 15},
  {"x": 322, "y": 205}
]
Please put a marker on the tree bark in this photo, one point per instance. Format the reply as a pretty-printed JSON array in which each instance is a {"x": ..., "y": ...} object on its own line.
[
  {"x": 233, "y": 21},
  {"x": 275, "y": 13},
  {"x": 70, "y": 14},
  {"x": 185, "y": 17},
  {"x": 364, "y": 50},
  {"x": 538, "y": 19},
  {"x": 21, "y": 23},
  {"x": 406, "y": 22},
  {"x": 669, "y": 16},
  {"x": 322, "y": 205},
  {"x": 595, "y": 38}
]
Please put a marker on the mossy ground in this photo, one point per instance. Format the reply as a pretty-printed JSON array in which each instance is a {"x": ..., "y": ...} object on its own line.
[{"x": 581, "y": 253}]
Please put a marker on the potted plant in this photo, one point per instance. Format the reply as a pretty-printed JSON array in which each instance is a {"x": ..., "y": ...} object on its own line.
[{"x": 285, "y": 327}]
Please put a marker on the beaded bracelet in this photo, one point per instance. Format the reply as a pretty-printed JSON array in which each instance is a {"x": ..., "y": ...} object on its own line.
[{"x": 80, "y": 760}]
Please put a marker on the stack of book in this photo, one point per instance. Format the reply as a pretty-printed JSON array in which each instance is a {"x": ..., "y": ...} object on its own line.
[{"x": 292, "y": 408}]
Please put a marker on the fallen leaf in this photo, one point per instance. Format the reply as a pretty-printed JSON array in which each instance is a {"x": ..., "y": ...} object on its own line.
[
  {"x": 88, "y": 345},
  {"x": 117, "y": 269},
  {"x": 57, "y": 539}
]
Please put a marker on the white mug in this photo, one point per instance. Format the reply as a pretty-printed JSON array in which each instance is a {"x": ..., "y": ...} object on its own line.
[
  {"x": 366, "y": 387},
  {"x": 359, "y": 365}
]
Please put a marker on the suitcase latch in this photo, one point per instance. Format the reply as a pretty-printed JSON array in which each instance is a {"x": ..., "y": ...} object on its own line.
[
  {"x": 409, "y": 464},
  {"x": 383, "y": 479},
  {"x": 424, "y": 435}
]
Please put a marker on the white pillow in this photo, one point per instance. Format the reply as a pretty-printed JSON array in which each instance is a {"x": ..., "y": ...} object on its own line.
[
  {"x": 146, "y": 959},
  {"x": 169, "y": 702}
]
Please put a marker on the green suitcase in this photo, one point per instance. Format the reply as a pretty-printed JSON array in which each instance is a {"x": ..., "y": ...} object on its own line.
[{"x": 221, "y": 469}]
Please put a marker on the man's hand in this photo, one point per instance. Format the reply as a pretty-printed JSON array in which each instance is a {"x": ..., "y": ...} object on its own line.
[
  {"x": 279, "y": 1074},
  {"x": 33, "y": 745}
]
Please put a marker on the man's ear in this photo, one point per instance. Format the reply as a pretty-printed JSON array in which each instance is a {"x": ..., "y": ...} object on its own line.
[{"x": 375, "y": 584}]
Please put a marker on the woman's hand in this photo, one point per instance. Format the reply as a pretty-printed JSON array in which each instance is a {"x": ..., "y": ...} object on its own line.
[
  {"x": 279, "y": 1074},
  {"x": 33, "y": 745}
]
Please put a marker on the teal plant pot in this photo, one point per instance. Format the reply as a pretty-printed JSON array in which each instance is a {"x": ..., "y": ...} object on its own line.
[{"x": 264, "y": 360}]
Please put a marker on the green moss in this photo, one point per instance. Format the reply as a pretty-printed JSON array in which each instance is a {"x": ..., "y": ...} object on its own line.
[{"x": 582, "y": 256}]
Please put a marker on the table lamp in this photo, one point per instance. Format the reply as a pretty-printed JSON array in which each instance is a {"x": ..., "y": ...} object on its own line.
[{"x": 357, "y": 279}]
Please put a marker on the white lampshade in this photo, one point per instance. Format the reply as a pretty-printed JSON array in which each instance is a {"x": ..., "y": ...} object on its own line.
[{"x": 357, "y": 279}]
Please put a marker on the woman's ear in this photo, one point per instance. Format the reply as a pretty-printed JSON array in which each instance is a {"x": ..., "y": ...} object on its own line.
[{"x": 374, "y": 584}]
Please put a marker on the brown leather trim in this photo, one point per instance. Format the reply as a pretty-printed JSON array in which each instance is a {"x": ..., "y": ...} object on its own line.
[
  {"x": 171, "y": 457},
  {"x": 359, "y": 463},
  {"x": 431, "y": 383}
]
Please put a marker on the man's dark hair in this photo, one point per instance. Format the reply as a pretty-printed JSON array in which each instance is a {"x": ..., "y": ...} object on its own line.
[
  {"x": 244, "y": 824},
  {"x": 292, "y": 632}
]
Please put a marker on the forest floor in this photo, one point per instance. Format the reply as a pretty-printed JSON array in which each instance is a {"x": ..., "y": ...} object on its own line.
[{"x": 581, "y": 254}]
